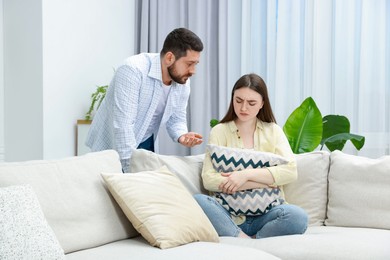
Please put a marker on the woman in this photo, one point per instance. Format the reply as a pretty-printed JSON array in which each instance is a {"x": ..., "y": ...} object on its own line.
[{"x": 250, "y": 124}]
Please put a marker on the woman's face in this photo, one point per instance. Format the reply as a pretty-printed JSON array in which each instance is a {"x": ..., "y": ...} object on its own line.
[{"x": 247, "y": 103}]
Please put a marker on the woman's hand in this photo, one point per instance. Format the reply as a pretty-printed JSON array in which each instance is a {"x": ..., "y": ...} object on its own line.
[{"x": 232, "y": 182}]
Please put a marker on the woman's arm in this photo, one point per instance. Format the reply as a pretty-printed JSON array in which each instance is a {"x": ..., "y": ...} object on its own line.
[
  {"x": 246, "y": 179},
  {"x": 276, "y": 142},
  {"x": 211, "y": 178},
  {"x": 285, "y": 173}
]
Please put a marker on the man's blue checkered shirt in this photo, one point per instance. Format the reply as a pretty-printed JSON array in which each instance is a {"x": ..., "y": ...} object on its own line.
[{"x": 130, "y": 102}]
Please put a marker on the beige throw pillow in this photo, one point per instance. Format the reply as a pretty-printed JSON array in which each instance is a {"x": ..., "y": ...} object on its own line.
[
  {"x": 359, "y": 193},
  {"x": 160, "y": 208}
]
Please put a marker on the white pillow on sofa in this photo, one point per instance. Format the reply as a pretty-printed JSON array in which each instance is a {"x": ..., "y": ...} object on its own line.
[
  {"x": 24, "y": 231},
  {"x": 160, "y": 208},
  {"x": 187, "y": 168},
  {"x": 73, "y": 197},
  {"x": 359, "y": 193},
  {"x": 310, "y": 190}
]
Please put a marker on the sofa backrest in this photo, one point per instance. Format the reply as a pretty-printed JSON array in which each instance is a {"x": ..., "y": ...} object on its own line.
[
  {"x": 74, "y": 198},
  {"x": 308, "y": 192},
  {"x": 359, "y": 191}
]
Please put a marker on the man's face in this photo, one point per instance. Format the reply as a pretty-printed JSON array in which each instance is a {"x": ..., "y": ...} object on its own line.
[{"x": 184, "y": 67}]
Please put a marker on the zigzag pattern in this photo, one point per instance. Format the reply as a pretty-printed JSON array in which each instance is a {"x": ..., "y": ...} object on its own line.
[
  {"x": 256, "y": 192},
  {"x": 227, "y": 159},
  {"x": 252, "y": 211},
  {"x": 250, "y": 202},
  {"x": 230, "y": 164}
]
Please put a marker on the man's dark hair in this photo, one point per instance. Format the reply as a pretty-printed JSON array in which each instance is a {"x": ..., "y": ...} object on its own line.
[{"x": 179, "y": 41}]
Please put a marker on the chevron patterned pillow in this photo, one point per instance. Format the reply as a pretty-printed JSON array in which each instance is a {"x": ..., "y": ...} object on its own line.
[{"x": 250, "y": 202}]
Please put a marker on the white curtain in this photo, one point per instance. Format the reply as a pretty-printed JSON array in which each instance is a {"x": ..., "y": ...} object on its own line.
[{"x": 337, "y": 52}]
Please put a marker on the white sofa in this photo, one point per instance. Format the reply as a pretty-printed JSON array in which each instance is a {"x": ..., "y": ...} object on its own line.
[{"x": 347, "y": 198}]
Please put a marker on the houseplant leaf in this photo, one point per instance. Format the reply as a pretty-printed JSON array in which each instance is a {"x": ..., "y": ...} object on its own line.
[
  {"x": 337, "y": 141},
  {"x": 336, "y": 132},
  {"x": 333, "y": 125},
  {"x": 214, "y": 122},
  {"x": 96, "y": 98},
  {"x": 303, "y": 127}
]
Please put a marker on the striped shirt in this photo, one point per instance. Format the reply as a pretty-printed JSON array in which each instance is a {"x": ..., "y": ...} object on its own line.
[{"x": 126, "y": 112}]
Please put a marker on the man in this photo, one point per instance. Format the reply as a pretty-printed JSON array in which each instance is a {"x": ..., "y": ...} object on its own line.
[{"x": 149, "y": 90}]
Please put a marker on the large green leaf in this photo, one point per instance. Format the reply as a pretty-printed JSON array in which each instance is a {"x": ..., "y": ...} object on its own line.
[
  {"x": 337, "y": 141},
  {"x": 303, "y": 127},
  {"x": 336, "y": 133},
  {"x": 333, "y": 125}
]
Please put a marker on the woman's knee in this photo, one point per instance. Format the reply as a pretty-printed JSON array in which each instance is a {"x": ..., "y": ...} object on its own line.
[
  {"x": 297, "y": 217},
  {"x": 200, "y": 198},
  {"x": 218, "y": 216}
]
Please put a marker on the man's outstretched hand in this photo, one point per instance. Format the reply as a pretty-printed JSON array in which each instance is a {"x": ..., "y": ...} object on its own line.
[{"x": 190, "y": 139}]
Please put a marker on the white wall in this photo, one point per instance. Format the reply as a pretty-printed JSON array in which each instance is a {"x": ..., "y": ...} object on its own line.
[
  {"x": 1, "y": 85},
  {"x": 23, "y": 132},
  {"x": 82, "y": 41}
]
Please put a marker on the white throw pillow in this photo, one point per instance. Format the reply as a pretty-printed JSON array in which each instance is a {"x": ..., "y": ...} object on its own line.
[
  {"x": 310, "y": 190},
  {"x": 74, "y": 198},
  {"x": 359, "y": 193},
  {"x": 250, "y": 202},
  {"x": 160, "y": 208},
  {"x": 187, "y": 168},
  {"x": 24, "y": 231}
]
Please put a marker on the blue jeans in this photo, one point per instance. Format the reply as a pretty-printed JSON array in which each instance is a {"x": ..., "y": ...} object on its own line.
[
  {"x": 281, "y": 220},
  {"x": 148, "y": 144}
]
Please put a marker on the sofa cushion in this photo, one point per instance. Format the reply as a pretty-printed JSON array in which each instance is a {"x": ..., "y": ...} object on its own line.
[
  {"x": 73, "y": 197},
  {"x": 324, "y": 243},
  {"x": 161, "y": 208},
  {"x": 25, "y": 233},
  {"x": 187, "y": 168},
  {"x": 310, "y": 190},
  {"x": 359, "y": 193},
  {"x": 138, "y": 248}
]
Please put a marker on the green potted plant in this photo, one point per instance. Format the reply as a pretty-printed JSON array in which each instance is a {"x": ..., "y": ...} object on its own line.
[
  {"x": 96, "y": 99},
  {"x": 83, "y": 125},
  {"x": 305, "y": 129}
]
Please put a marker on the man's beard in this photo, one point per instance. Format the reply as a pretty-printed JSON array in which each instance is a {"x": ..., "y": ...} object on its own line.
[{"x": 177, "y": 78}]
